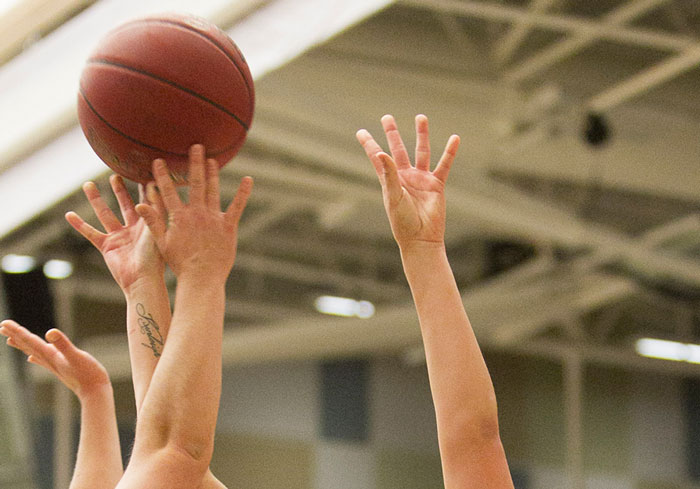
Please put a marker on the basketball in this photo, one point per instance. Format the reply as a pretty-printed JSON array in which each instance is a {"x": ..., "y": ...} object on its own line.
[{"x": 155, "y": 86}]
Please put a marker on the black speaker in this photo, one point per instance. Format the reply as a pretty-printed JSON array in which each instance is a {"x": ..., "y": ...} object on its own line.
[
  {"x": 344, "y": 400},
  {"x": 29, "y": 300},
  {"x": 692, "y": 409}
]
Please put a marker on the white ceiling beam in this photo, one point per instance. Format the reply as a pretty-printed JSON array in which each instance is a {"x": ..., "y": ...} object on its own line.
[
  {"x": 314, "y": 338},
  {"x": 523, "y": 313},
  {"x": 510, "y": 42},
  {"x": 542, "y": 269},
  {"x": 33, "y": 114},
  {"x": 645, "y": 81},
  {"x": 559, "y": 51},
  {"x": 29, "y": 18},
  {"x": 558, "y": 23},
  {"x": 500, "y": 208}
]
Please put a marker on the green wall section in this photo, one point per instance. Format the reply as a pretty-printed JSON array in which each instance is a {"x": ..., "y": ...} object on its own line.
[
  {"x": 607, "y": 421},
  {"x": 658, "y": 485},
  {"x": 532, "y": 414},
  {"x": 246, "y": 461},
  {"x": 530, "y": 406},
  {"x": 8, "y": 440},
  {"x": 401, "y": 469}
]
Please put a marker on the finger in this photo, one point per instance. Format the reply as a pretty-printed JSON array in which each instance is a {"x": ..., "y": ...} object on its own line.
[
  {"x": 142, "y": 194},
  {"x": 422, "y": 143},
  {"x": 36, "y": 360},
  {"x": 442, "y": 170},
  {"x": 213, "y": 200},
  {"x": 126, "y": 205},
  {"x": 155, "y": 200},
  {"x": 196, "y": 175},
  {"x": 396, "y": 145},
  {"x": 102, "y": 211},
  {"x": 63, "y": 344},
  {"x": 155, "y": 221},
  {"x": 392, "y": 186},
  {"x": 372, "y": 150},
  {"x": 166, "y": 187},
  {"x": 21, "y": 338},
  {"x": 90, "y": 233},
  {"x": 235, "y": 209}
]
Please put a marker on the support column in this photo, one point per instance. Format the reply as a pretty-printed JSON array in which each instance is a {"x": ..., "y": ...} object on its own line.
[
  {"x": 573, "y": 400},
  {"x": 63, "y": 398}
]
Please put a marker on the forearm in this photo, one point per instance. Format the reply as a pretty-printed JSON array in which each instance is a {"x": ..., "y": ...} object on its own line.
[
  {"x": 99, "y": 462},
  {"x": 462, "y": 390},
  {"x": 182, "y": 403},
  {"x": 148, "y": 321}
]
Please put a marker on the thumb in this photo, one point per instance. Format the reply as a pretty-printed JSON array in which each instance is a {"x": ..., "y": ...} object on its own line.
[
  {"x": 392, "y": 185},
  {"x": 58, "y": 339},
  {"x": 236, "y": 207}
]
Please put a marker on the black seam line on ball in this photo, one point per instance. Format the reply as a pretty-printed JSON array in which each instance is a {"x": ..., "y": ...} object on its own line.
[
  {"x": 208, "y": 38},
  {"x": 173, "y": 84},
  {"x": 141, "y": 143},
  {"x": 216, "y": 43}
]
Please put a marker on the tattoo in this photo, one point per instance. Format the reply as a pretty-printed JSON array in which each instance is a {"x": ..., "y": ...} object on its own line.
[{"x": 150, "y": 328}]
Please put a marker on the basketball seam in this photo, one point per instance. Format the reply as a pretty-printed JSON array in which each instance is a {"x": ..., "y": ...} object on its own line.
[
  {"x": 171, "y": 83},
  {"x": 141, "y": 143},
  {"x": 208, "y": 38}
]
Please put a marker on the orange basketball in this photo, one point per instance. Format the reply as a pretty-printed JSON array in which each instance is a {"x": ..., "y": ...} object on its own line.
[{"x": 155, "y": 86}]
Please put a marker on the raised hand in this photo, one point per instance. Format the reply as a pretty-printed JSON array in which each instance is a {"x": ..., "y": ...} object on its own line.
[
  {"x": 196, "y": 237},
  {"x": 128, "y": 249},
  {"x": 413, "y": 195},
  {"x": 75, "y": 368}
]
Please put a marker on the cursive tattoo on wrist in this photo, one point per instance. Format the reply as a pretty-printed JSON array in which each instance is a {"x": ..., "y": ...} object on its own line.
[{"x": 150, "y": 328}]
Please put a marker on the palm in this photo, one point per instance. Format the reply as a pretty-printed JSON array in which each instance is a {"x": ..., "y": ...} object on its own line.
[
  {"x": 419, "y": 214},
  {"x": 128, "y": 249},
  {"x": 128, "y": 252},
  {"x": 81, "y": 374}
]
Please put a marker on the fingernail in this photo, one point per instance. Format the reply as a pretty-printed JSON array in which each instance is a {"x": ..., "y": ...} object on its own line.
[{"x": 52, "y": 336}]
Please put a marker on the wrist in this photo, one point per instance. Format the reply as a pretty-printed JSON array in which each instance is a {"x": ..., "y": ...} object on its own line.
[
  {"x": 95, "y": 393},
  {"x": 146, "y": 282},
  {"x": 200, "y": 280},
  {"x": 419, "y": 248}
]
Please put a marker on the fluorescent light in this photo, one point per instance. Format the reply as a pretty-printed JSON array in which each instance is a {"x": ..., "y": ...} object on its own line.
[
  {"x": 58, "y": 269},
  {"x": 342, "y": 306},
  {"x": 18, "y": 263},
  {"x": 668, "y": 350},
  {"x": 364, "y": 309}
]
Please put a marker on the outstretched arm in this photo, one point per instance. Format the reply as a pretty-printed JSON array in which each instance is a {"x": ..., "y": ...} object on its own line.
[
  {"x": 465, "y": 403},
  {"x": 98, "y": 464},
  {"x": 198, "y": 241},
  {"x": 136, "y": 265}
]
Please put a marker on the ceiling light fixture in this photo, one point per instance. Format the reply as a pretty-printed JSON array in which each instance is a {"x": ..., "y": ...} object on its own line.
[
  {"x": 668, "y": 350},
  {"x": 18, "y": 263},
  {"x": 343, "y": 306},
  {"x": 58, "y": 269}
]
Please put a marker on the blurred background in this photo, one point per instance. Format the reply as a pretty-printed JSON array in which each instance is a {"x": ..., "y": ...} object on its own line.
[{"x": 573, "y": 231}]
